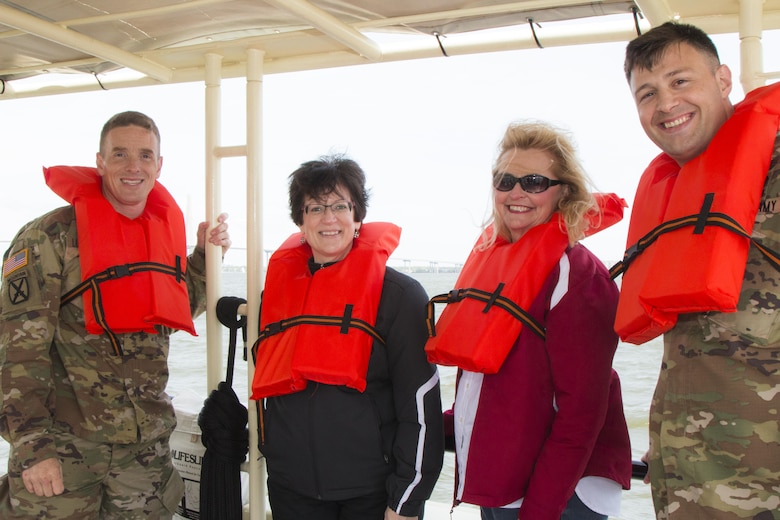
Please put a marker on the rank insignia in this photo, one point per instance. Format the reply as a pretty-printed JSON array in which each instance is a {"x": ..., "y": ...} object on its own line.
[{"x": 16, "y": 261}]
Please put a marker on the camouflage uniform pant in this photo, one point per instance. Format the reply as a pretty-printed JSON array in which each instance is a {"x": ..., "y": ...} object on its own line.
[
  {"x": 105, "y": 481},
  {"x": 715, "y": 426}
]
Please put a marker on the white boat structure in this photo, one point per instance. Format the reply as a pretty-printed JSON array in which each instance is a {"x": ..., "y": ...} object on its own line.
[{"x": 49, "y": 48}]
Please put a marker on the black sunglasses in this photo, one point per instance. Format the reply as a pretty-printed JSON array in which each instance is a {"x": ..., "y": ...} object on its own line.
[{"x": 533, "y": 183}]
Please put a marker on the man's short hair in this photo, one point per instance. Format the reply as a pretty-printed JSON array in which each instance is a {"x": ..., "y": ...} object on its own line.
[
  {"x": 129, "y": 118},
  {"x": 647, "y": 50}
]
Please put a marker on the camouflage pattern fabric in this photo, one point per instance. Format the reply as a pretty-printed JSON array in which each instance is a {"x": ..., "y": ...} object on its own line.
[
  {"x": 54, "y": 376},
  {"x": 715, "y": 415},
  {"x": 106, "y": 481}
]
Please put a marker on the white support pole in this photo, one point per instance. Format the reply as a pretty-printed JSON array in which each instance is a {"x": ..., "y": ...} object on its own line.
[
  {"x": 750, "y": 47},
  {"x": 214, "y": 366},
  {"x": 255, "y": 268}
]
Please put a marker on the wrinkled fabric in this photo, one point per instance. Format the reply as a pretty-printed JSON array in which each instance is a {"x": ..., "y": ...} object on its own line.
[
  {"x": 715, "y": 414},
  {"x": 54, "y": 376}
]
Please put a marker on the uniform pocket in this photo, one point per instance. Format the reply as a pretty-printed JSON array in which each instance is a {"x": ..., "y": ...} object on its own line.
[
  {"x": 758, "y": 324},
  {"x": 172, "y": 492}
]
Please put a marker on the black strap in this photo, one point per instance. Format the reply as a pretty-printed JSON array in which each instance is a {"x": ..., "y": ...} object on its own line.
[
  {"x": 772, "y": 256},
  {"x": 119, "y": 271},
  {"x": 100, "y": 317},
  {"x": 704, "y": 212},
  {"x": 344, "y": 322},
  {"x": 227, "y": 314},
  {"x": 491, "y": 299},
  {"x": 699, "y": 221},
  {"x": 112, "y": 273}
]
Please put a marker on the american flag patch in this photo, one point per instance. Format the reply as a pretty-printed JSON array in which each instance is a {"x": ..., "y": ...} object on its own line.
[{"x": 17, "y": 261}]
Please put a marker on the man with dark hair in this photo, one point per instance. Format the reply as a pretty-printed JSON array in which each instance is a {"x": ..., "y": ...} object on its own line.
[
  {"x": 90, "y": 295},
  {"x": 705, "y": 215}
]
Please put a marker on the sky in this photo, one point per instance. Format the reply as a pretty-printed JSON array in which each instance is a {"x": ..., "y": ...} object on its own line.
[{"x": 424, "y": 131}]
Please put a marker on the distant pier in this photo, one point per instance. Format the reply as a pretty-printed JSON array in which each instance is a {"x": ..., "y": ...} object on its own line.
[
  {"x": 407, "y": 265},
  {"x": 235, "y": 261}
]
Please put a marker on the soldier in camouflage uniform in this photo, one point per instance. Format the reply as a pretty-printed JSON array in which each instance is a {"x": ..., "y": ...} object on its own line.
[
  {"x": 88, "y": 429},
  {"x": 715, "y": 416}
]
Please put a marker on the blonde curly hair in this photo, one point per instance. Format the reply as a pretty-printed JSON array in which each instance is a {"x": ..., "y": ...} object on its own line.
[{"x": 576, "y": 204}]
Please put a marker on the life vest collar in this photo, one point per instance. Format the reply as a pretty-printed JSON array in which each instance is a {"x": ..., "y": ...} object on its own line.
[
  {"x": 684, "y": 219},
  {"x": 487, "y": 311},
  {"x": 320, "y": 327},
  {"x": 133, "y": 270}
]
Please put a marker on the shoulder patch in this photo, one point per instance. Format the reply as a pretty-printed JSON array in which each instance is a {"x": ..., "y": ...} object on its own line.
[
  {"x": 15, "y": 262},
  {"x": 18, "y": 290}
]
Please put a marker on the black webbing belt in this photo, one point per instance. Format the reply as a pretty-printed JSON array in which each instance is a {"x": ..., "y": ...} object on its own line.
[
  {"x": 344, "y": 322},
  {"x": 491, "y": 299},
  {"x": 699, "y": 221},
  {"x": 112, "y": 273}
]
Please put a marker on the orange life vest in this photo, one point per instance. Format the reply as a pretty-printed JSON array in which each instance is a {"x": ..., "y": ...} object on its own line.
[
  {"x": 689, "y": 216},
  {"x": 484, "y": 318},
  {"x": 132, "y": 269},
  {"x": 319, "y": 327}
]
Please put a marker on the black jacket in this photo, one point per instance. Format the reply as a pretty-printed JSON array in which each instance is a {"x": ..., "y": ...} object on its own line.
[{"x": 334, "y": 443}]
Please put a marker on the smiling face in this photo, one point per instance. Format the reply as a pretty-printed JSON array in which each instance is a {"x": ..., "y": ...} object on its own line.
[
  {"x": 129, "y": 163},
  {"x": 330, "y": 233},
  {"x": 682, "y": 101},
  {"x": 517, "y": 210}
]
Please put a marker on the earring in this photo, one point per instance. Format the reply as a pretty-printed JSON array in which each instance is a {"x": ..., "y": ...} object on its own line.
[
  {"x": 357, "y": 233},
  {"x": 303, "y": 239}
]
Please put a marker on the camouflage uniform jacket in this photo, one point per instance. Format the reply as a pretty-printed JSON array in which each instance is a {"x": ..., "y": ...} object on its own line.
[
  {"x": 715, "y": 416},
  {"x": 54, "y": 375}
]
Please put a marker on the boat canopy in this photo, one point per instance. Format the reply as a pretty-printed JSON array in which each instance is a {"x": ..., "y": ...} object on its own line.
[{"x": 167, "y": 41}]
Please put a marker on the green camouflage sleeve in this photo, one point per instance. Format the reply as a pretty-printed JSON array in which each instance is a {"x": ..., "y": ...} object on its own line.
[
  {"x": 29, "y": 308},
  {"x": 714, "y": 427},
  {"x": 196, "y": 282},
  {"x": 757, "y": 318}
]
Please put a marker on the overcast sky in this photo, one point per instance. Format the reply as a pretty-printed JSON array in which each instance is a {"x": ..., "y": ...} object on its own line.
[{"x": 424, "y": 131}]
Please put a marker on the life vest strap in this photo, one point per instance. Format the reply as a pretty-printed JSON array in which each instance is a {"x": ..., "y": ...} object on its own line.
[
  {"x": 490, "y": 299},
  {"x": 100, "y": 315},
  {"x": 119, "y": 271},
  {"x": 493, "y": 297},
  {"x": 112, "y": 273},
  {"x": 698, "y": 221},
  {"x": 701, "y": 221},
  {"x": 344, "y": 323},
  {"x": 772, "y": 256}
]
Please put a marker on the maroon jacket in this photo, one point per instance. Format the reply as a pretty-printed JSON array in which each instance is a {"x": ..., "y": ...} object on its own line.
[{"x": 521, "y": 446}]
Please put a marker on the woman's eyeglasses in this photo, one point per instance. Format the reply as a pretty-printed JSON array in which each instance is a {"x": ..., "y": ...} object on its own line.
[
  {"x": 338, "y": 208},
  {"x": 533, "y": 183}
]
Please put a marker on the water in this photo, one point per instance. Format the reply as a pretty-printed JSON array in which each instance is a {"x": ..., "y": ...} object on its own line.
[{"x": 638, "y": 368}]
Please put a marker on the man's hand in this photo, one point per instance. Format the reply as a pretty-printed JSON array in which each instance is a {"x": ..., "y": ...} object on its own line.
[
  {"x": 44, "y": 478},
  {"x": 219, "y": 235},
  {"x": 646, "y": 459}
]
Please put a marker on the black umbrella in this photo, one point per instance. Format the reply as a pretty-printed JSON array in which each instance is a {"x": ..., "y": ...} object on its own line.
[{"x": 223, "y": 423}]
